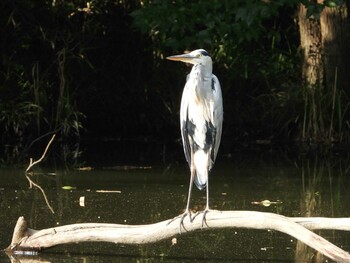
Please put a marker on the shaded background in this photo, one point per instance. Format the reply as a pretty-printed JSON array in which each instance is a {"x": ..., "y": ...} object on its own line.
[{"x": 94, "y": 72}]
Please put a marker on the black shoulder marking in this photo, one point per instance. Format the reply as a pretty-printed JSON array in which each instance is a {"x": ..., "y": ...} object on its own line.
[
  {"x": 204, "y": 53},
  {"x": 213, "y": 84}
]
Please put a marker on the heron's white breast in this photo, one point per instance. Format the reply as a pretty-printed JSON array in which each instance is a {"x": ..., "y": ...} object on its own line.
[{"x": 199, "y": 111}]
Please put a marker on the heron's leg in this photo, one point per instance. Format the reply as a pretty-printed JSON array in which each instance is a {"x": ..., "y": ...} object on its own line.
[
  {"x": 187, "y": 210},
  {"x": 206, "y": 210}
]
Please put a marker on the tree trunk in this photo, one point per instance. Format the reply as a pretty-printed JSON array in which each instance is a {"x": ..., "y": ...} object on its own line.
[
  {"x": 325, "y": 54},
  {"x": 312, "y": 74},
  {"x": 335, "y": 41},
  {"x": 311, "y": 46}
]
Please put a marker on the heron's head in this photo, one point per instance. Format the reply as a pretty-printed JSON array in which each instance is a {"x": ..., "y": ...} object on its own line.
[{"x": 198, "y": 56}]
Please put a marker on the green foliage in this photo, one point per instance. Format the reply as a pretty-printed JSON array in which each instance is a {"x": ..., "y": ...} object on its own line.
[
  {"x": 36, "y": 94},
  {"x": 314, "y": 8},
  {"x": 253, "y": 45},
  {"x": 219, "y": 26},
  {"x": 104, "y": 59},
  {"x": 69, "y": 60},
  {"x": 324, "y": 114}
]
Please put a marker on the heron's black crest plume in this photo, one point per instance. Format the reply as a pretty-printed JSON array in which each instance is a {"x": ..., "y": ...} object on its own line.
[{"x": 204, "y": 53}]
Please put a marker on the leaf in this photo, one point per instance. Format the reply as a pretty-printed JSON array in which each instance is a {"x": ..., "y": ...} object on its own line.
[
  {"x": 332, "y": 3},
  {"x": 314, "y": 11},
  {"x": 68, "y": 187}
]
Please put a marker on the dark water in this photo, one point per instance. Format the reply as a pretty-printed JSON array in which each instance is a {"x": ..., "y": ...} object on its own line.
[{"x": 155, "y": 192}]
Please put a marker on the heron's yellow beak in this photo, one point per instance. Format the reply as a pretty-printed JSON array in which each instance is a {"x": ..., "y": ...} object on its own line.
[{"x": 184, "y": 58}]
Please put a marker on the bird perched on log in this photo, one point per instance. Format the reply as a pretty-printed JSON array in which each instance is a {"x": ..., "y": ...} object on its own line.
[{"x": 201, "y": 117}]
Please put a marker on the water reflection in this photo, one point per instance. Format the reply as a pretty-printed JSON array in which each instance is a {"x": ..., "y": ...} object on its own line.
[
  {"x": 320, "y": 186},
  {"x": 311, "y": 187}
]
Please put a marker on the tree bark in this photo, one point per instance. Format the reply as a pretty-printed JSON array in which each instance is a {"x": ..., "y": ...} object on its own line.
[
  {"x": 336, "y": 40},
  {"x": 312, "y": 73},
  {"x": 311, "y": 46},
  {"x": 325, "y": 44},
  {"x": 334, "y": 24},
  {"x": 25, "y": 239}
]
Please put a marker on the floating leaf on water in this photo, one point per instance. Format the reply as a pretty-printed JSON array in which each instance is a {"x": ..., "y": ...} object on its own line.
[
  {"x": 265, "y": 248},
  {"x": 85, "y": 169},
  {"x": 108, "y": 191},
  {"x": 127, "y": 167},
  {"x": 266, "y": 203},
  {"x": 68, "y": 187},
  {"x": 82, "y": 200}
]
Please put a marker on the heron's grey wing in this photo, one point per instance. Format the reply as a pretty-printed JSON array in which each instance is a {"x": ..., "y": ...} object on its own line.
[
  {"x": 216, "y": 116},
  {"x": 184, "y": 123},
  {"x": 187, "y": 77}
]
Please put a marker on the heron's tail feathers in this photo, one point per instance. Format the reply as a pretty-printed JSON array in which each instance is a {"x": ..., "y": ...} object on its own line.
[{"x": 201, "y": 160}]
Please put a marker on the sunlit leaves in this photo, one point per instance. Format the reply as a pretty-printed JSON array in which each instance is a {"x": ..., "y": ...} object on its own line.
[
  {"x": 314, "y": 8},
  {"x": 219, "y": 26}
]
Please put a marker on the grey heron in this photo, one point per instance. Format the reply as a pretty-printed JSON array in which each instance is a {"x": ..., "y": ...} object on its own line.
[{"x": 201, "y": 116}]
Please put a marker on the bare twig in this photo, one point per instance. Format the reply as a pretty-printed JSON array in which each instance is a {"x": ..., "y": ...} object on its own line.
[
  {"x": 41, "y": 137},
  {"x": 31, "y": 163}
]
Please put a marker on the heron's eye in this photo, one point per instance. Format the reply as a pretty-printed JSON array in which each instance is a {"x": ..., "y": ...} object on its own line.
[{"x": 198, "y": 55}]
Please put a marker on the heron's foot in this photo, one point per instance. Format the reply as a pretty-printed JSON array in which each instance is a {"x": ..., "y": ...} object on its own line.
[
  {"x": 182, "y": 217},
  {"x": 204, "y": 221}
]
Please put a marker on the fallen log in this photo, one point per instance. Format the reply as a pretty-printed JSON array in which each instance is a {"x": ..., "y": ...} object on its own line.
[{"x": 26, "y": 239}]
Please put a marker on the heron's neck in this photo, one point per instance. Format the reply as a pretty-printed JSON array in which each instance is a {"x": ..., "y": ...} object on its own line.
[
  {"x": 201, "y": 75},
  {"x": 204, "y": 71}
]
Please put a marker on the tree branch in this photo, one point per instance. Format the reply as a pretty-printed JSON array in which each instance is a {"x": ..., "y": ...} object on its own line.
[
  {"x": 31, "y": 163},
  {"x": 30, "y": 166},
  {"x": 33, "y": 240}
]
